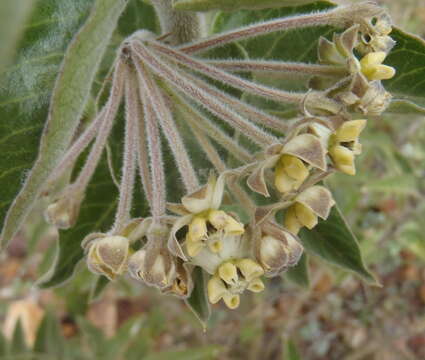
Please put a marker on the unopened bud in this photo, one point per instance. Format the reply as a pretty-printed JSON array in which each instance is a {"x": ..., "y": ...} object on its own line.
[
  {"x": 108, "y": 256},
  {"x": 155, "y": 268},
  {"x": 63, "y": 213}
]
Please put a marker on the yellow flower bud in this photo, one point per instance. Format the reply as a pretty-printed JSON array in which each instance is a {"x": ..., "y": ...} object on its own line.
[
  {"x": 291, "y": 221},
  {"x": 193, "y": 247},
  {"x": 256, "y": 285},
  {"x": 290, "y": 173},
  {"x": 198, "y": 228},
  {"x": 228, "y": 272},
  {"x": 249, "y": 268},
  {"x": 345, "y": 144},
  {"x": 215, "y": 289},
  {"x": 231, "y": 300},
  {"x": 372, "y": 68}
]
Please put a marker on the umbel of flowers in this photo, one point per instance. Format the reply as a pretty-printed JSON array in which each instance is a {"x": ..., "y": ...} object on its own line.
[{"x": 162, "y": 85}]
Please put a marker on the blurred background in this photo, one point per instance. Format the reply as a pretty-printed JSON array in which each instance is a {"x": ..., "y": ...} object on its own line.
[{"x": 336, "y": 317}]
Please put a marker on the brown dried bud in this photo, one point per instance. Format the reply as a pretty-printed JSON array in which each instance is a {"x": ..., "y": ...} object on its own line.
[{"x": 63, "y": 213}]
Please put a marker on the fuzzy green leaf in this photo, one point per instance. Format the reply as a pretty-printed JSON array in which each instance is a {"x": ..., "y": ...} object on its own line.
[
  {"x": 410, "y": 76},
  {"x": 207, "y": 5},
  {"x": 13, "y": 15},
  {"x": 333, "y": 241},
  {"x": 67, "y": 105},
  {"x": 198, "y": 302}
]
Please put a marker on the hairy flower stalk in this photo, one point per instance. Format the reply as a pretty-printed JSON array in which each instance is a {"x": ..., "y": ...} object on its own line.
[
  {"x": 223, "y": 112},
  {"x": 341, "y": 16},
  {"x": 229, "y": 79},
  {"x": 278, "y": 67},
  {"x": 93, "y": 158},
  {"x": 157, "y": 178},
  {"x": 130, "y": 155},
  {"x": 202, "y": 123},
  {"x": 181, "y": 156}
]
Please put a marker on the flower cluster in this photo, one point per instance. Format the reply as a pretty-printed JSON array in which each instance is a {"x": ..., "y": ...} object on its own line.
[{"x": 158, "y": 84}]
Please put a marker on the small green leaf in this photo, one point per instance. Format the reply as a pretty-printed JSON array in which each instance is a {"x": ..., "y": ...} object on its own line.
[
  {"x": 198, "y": 302},
  {"x": 13, "y": 15},
  {"x": 405, "y": 107},
  {"x": 299, "y": 273},
  {"x": 334, "y": 242},
  {"x": 207, "y": 5},
  {"x": 67, "y": 105},
  {"x": 49, "y": 337},
  {"x": 410, "y": 76}
]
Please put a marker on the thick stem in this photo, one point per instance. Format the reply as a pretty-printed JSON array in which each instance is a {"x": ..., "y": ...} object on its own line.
[
  {"x": 170, "y": 75},
  {"x": 129, "y": 159},
  {"x": 195, "y": 118},
  {"x": 229, "y": 79},
  {"x": 279, "y": 66},
  {"x": 158, "y": 203},
  {"x": 166, "y": 120},
  {"x": 111, "y": 109},
  {"x": 182, "y": 26}
]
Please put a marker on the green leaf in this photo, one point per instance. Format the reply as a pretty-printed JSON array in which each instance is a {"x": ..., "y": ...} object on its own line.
[
  {"x": 333, "y": 241},
  {"x": 13, "y": 15},
  {"x": 405, "y": 107},
  {"x": 408, "y": 58},
  {"x": 26, "y": 89},
  {"x": 67, "y": 105},
  {"x": 49, "y": 337},
  {"x": 99, "y": 285},
  {"x": 207, "y": 5},
  {"x": 198, "y": 302},
  {"x": 299, "y": 273},
  {"x": 208, "y": 352},
  {"x": 291, "y": 352}
]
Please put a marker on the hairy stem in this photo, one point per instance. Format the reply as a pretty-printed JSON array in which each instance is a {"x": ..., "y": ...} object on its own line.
[
  {"x": 111, "y": 110},
  {"x": 157, "y": 178},
  {"x": 142, "y": 151},
  {"x": 78, "y": 146},
  {"x": 340, "y": 16},
  {"x": 166, "y": 120},
  {"x": 256, "y": 115},
  {"x": 205, "y": 125},
  {"x": 170, "y": 75},
  {"x": 129, "y": 159},
  {"x": 279, "y": 66},
  {"x": 229, "y": 79}
]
